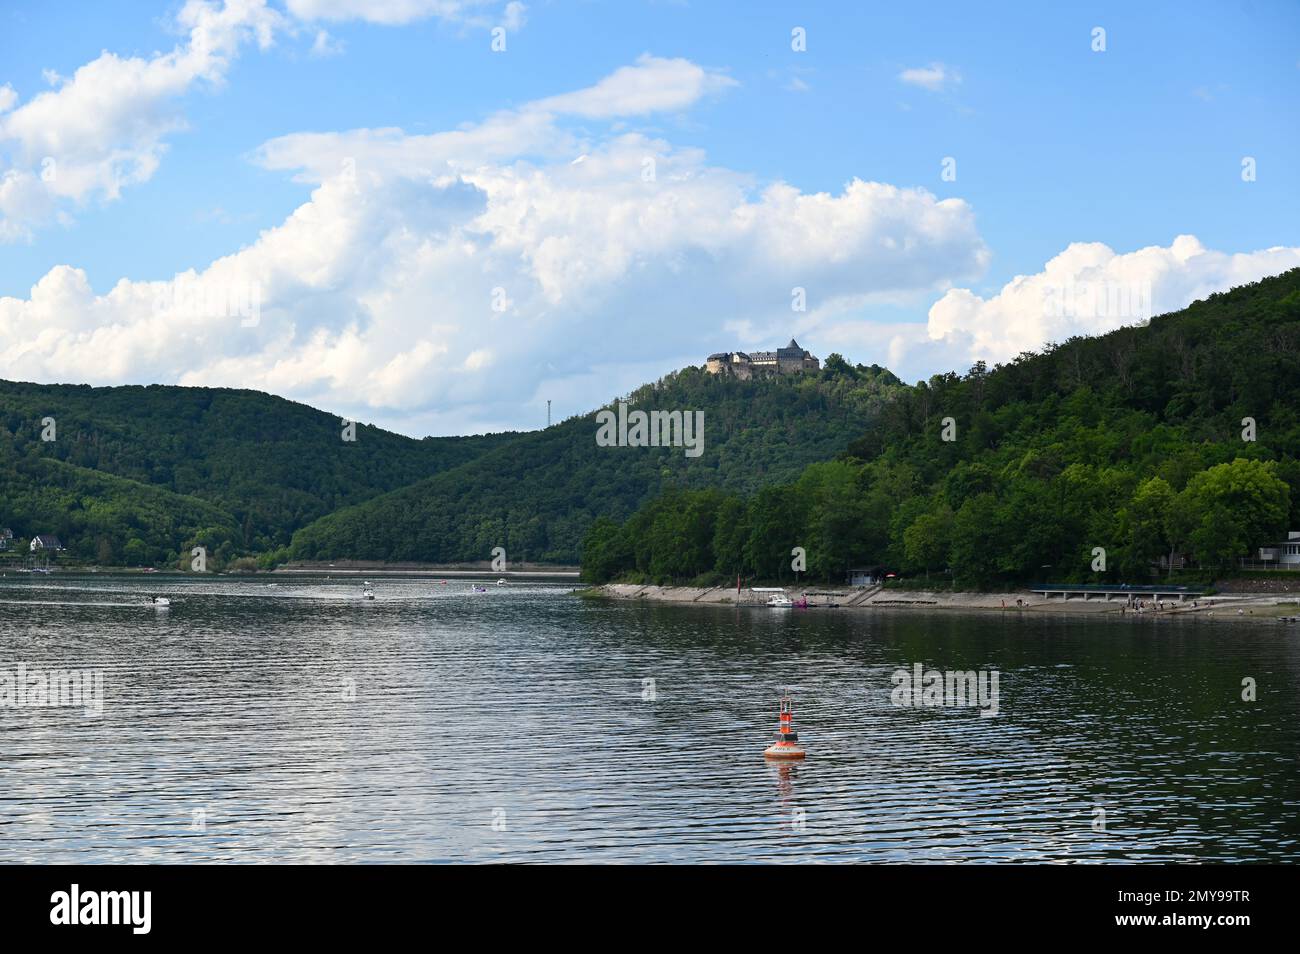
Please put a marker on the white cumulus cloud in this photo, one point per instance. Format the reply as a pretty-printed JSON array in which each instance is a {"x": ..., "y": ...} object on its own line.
[
  {"x": 104, "y": 128},
  {"x": 1088, "y": 289},
  {"x": 452, "y": 282}
]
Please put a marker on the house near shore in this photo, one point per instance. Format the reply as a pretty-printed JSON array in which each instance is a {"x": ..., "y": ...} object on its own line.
[
  {"x": 45, "y": 541},
  {"x": 865, "y": 576},
  {"x": 1284, "y": 552},
  {"x": 6, "y": 538}
]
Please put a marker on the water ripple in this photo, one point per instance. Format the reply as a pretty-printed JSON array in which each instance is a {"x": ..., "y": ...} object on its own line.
[{"x": 297, "y": 723}]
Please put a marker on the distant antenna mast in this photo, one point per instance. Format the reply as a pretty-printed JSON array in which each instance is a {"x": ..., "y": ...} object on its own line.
[{"x": 548, "y": 413}]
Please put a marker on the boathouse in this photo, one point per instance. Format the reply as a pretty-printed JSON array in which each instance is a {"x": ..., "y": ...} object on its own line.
[{"x": 865, "y": 576}]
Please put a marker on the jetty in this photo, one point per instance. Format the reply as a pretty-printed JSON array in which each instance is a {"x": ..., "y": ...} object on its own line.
[{"x": 1107, "y": 592}]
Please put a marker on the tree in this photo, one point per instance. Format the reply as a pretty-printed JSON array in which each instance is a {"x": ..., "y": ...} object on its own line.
[
  {"x": 775, "y": 528},
  {"x": 730, "y": 534},
  {"x": 605, "y": 552},
  {"x": 977, "y": 540},
  {"x": 1149, "y": 526},
  {"x": 136, "y": 552},
  {"x": 1231, "y": 507},
  {"x": 1219, "y": 538},
  {"x": 836, "y": 519},
  {"x": 926, "y": 541}
]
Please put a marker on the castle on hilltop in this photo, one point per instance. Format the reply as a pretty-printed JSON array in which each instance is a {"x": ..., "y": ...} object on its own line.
[{"x": 792, "y": 359}]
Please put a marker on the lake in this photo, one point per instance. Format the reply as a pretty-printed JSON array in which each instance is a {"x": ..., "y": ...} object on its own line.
[{"x": 285, "y": 719}]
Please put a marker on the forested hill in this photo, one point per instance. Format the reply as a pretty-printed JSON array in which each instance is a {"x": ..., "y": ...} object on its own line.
[
  {"x": 537, "y": 495},
  {"x": 137, "y": 474},
  {"x": 1132, "y": 442}
]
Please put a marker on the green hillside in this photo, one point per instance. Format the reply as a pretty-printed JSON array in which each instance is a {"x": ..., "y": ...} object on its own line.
[
  {"x": 109, "y": 520},
  {"x": 250, "y": 467},
  {"x": 537, "y": 495},
  {"x": 1131, "y": 442}
]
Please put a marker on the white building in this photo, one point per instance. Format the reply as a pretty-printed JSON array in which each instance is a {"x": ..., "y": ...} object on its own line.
[
  {"x": 865, "y": 576},
  {"x": 1283, "y": 553}
]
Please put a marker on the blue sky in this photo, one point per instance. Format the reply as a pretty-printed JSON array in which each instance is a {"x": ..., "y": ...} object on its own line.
[{"x": 1054, "y": 144}]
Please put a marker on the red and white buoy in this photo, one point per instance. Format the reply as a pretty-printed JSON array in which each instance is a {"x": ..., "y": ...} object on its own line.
[{"x": 786, "y": 744}]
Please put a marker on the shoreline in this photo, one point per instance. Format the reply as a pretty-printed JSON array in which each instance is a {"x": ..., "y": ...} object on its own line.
[
  {"x": 1244, "y": 606},
  {"x": 459, "y": 570},
  {"x": 522, "y": 571}
]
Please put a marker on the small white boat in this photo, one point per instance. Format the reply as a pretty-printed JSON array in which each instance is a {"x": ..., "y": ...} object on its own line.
[
  {"x": 781, "y": 602},
  {"x": 367, "y": 594},
  {"x": 161, "y": 602},
  {"x": 501, "y": 582}
]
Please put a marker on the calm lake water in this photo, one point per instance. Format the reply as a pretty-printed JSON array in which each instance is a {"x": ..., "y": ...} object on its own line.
[{"x": 437, "y": 724}]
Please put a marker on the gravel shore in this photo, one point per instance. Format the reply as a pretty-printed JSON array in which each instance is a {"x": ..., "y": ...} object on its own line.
[{"x": 1234, "y": 605}]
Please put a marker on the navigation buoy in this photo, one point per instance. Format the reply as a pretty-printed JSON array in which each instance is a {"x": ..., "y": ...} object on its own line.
[{"x": 786, "y": 746}]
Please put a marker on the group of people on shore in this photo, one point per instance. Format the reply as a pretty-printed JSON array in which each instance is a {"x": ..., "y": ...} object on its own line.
[{"x": 1140, "y": 606}]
